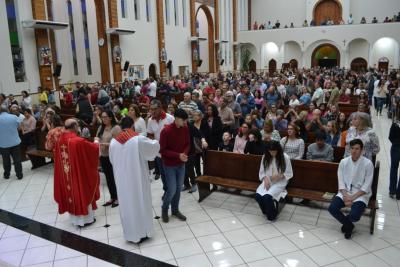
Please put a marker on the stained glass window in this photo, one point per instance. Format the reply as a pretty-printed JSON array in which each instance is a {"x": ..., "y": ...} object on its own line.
[
  {"x": 16, "y": 49},
  {"x": 72, "y": 33},
  {"x": 86, "y": 37}
]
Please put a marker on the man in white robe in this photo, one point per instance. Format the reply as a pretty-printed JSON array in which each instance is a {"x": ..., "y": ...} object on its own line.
[{"x": 129, "y": 153}]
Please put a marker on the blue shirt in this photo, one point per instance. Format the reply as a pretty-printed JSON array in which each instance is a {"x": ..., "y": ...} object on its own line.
[
  {"x": 305, "y": 99},
  {"x": 9, "y": 136}
]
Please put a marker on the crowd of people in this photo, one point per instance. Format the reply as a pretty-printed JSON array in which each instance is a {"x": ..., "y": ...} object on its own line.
[
  {"x": 326, "y": 22},
  {"x": 272, "y": 115}
]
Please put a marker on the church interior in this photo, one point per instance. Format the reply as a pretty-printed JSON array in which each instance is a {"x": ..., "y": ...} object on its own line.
[{"x": 62, "y": 58}]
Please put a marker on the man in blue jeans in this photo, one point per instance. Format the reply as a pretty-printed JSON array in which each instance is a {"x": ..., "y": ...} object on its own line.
[
  {"x": 355, "y": 175},
  {"x": 10, "y": 143},
  {"x": 174, "y": 149}
]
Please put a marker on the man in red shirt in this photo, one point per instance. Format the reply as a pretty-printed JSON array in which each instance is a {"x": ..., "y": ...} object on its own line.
[{"x": 174, "y": 149}]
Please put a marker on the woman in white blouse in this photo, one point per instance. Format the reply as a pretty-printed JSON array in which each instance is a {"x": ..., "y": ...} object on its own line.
[
  {"x": 292, "y": 144},
  {"x": 275, "y": 172},
  {"x": 140, "y": 124},
  {"x": 26, "y": 102}
]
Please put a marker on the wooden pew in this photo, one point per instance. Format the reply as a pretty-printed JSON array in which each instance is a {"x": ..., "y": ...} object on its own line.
[
  {"x": 239, "y": 171},
  {"x": 39, "y": 154}
]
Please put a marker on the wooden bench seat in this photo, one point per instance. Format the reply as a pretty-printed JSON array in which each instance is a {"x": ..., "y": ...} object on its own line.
[
  {"x": 40, "y": 153},
  {"x": 311, "y": 179}
]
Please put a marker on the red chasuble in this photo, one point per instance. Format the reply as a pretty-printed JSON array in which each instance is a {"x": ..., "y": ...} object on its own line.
[{"x": 76, "y": 176}]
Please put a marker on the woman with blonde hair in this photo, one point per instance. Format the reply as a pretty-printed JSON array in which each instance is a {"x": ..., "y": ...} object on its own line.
[{"x": 361, "y": 129}]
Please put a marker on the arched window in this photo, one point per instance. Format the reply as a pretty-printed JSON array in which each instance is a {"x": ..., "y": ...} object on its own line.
[
  {"x": 16, "y": 49},
  {"x": 86, "y": 37},
  {"x": 123, "y": 8},
  {"x": 72, "y": 33}
]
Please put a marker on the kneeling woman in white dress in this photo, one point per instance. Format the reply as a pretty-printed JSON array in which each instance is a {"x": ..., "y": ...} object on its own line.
[{"x": 275, "y": 172}]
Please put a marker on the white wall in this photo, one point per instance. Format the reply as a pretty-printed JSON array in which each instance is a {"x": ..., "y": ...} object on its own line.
[
  {"x": 372, "y": 8},
  {"x": 271, "y": 51},
  {"x": 358, "y": 48},
  {"x": 385, "y": 47},
  {"x": 28, "y": 44},
  {"x": 286, "y": 11},
  {"x": 140, "y": 48},
  {"x": 203, "y": 45},
  {"x": 177, "y": 38},
  {"x": 292, "y": 50}
]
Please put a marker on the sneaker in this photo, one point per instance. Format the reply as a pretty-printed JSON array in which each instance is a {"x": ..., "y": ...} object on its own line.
[
  {"x": 164, "y": 216},
  {"x": 193, "y": 189},
  {"x": 185, "y": 187},
  {"x": 348, "y": 231},
  {"x": 179, "y": 215}
]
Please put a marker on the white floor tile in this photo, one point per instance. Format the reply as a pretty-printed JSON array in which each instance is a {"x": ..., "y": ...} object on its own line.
[
  {"x": 224, "y": 258},
  {"x": 63, "y": 252},
  {"x": 216, "y": 213},
  {"x": 159, "y": 252},
  {"x": 347, "y": 248},
  {"x": 194, "y": 261},
  {"x": 253, "y": 252},
  {"x": 185, "y": 248},
  {"x": 368, "y": 260},
  {"x": 323, "y": 255},
  {"x": 390, "y": 255},
  {"x": 13, "y": 243},
  {"x": 239, "y": 237},
  {"x": 288, "y": 227},
  {"x": 270, "y": 262},
  {"x": 304, "y": 239},
  {"x": 340, "y": 264},
  {"x": 157, "y": 239},
  {"x": 95, "y": 262},
  {"x": 264, "y": 231},
  {"x": 120, "y": 242},
  {"x": 38, "y": 255},
  {"x": 204, "y": 228},
  {"x": 179, "y": 233},
  {"x": 327, "y": 235},
  {"x": 213, "y": 242},
  {"x": 252, "y": 220},
  {"x": 279, "y": 245},
  {"x": 197, "y": 217},
  {"x": 370, "y": 242},
  {"x": 296, "y": 259},
  {"x": 13, "y": 258},
  {"x": 228, "y": 224},
  {"x": 76, "y": 262},
  {"x": 35, "y": 241}
]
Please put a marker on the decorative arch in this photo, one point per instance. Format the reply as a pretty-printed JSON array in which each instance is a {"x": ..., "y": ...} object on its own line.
[
  {"x": 252, "y": 66},
  {"x": 324, "y": 55},
  {"x": 358, "y": 64},
  {"x": 153, "y": 70},
  {"x": 327, "y": 9},
  {"x": 272, "y": 66},
  {"x": 211, "y": 50}
]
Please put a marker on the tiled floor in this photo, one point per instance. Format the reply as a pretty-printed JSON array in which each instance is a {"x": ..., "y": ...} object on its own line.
[{"x": 224, "y": 230}]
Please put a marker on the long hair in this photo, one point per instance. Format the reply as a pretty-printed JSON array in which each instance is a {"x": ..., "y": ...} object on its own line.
[
  {"x": 296, "y": 130},
  {"x": 280, "y": 157},
  {"x": 110, "y": 114}
]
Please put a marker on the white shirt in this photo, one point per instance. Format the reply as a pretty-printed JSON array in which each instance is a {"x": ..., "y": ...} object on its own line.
[
  {"x": 153, "y": 89},
  {"x": 294, "y": 103},
  {"x": 155, "y": 127},
  {"x": 356, "y": 176},
  {"x": 277, "y": 189},
  {"x": 140, "y": 126}
]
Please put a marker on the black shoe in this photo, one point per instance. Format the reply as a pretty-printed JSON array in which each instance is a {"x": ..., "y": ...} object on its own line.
[
  {"x": 179, "y": 215},
  {"x": 87, "y": 224},
  {"x": 398, "y": 197},
  {"x": 185, "y": 187},
  {"x": 6, "y": 176},
  {"x": 157, "y": 176},
  {"x": 392, "y": 195},
  {"x": 164, "y": 216},
  {"x": 348, "y": 231},
  {"x": 20, "y": 177},
  {"x": 109, "y": 203},
  {"x": 193, "y": 189},
  {"x": 115, "y": 204},
  {"x": 142, "y": 240},
  {"x": 343, "y": 229}
]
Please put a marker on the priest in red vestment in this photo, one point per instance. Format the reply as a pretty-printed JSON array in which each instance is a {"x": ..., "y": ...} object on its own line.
[{"x": 76, "y": 176}]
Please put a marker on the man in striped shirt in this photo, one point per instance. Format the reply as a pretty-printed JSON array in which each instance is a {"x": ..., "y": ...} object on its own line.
[{"x": 188, "y": 105}]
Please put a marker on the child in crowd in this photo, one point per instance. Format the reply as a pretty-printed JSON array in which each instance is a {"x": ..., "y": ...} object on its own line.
[{"x": 226, "y": 144}]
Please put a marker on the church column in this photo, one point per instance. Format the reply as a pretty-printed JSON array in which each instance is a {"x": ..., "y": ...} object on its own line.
[
  {"x": 52, "y": 39},
  {"x": 249, "y": 15},
  {"x": 192, "y": 12},
  {"x": 114, "y": 38},
  {"x": 103, "y": 43},
  {"x": 42, "y": 41},
  {"x": 216, "y": 26},
  {"x": 161, "y": 36},
  {"x": 234, "y": 28}
]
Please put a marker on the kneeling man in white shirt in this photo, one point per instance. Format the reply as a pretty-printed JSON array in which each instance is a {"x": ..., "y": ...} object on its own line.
[{"x": 355, "y": 175}]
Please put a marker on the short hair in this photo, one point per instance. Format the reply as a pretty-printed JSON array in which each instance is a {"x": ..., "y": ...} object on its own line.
[
  {"x": 356, "y": 142},
  {"x": 156, "y": 102},
  {"x": 320, "y": 135},
  {"x": 126, "y": 122},
  {"x": 181, "y": 113},
  {"x": 71, "y": 125}
]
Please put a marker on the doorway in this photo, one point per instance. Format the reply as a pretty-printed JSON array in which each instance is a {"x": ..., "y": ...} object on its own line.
[
  {"x": 252, "y": 65},
  {"x": 152, "y": 71},
  {"x": 383, "y": 64},
  {"x": 325, "y": 55},
  {"x": 327, "y": 9},
  {"x": 272, "y": 66},
  {"x": 205, "y": 28},
  {"x": 358, "y": 64}
]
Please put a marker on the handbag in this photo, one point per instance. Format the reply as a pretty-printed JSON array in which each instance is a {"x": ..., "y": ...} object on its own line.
[{"x": 198, "y": 148}]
